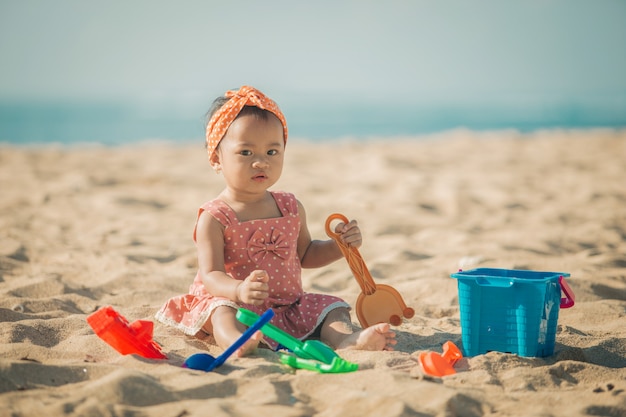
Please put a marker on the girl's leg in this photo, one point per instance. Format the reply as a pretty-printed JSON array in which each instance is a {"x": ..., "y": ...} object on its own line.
[
  {"x": 338, "y": 333},
  {"x": 225, "y": 328}
]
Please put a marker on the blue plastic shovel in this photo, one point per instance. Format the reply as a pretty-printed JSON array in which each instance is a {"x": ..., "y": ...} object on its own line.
[{"x": 206, "y": 362}]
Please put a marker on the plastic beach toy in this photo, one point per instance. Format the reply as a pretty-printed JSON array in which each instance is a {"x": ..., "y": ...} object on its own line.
[
  {"x": 336, "y": 366},
  {"x": 311, "y": 349},
  {"x": 511, "y": 311},
  {"x": 435, "y": 364},
  {"x": 377, "y": 303},
  {"x": 126, "y": 338},
  {"x": 311, "y": 354},
  {"x": 206, "y": 362}
]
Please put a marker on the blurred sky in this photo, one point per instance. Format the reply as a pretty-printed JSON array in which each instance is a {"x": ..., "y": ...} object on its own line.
[{"x": 403, "y": 51}]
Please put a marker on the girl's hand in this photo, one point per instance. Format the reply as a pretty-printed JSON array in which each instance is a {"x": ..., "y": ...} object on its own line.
[
  {"x": 350, "y": 234},
  {"x": 254, "y": 289}
]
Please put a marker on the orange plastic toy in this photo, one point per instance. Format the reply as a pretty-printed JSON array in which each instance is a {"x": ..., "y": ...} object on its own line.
[
  {"x": 126, "y": 338},
  {"x": 377, "y": 303},
  {"x": 436, "y": 364}
]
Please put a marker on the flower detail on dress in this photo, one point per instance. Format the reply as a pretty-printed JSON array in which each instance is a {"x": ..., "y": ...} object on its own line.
[{"x": 260, "y": 245}]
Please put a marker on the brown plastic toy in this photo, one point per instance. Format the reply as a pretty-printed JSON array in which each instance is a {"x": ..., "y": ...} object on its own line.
[{"x": 377, "y": 303}]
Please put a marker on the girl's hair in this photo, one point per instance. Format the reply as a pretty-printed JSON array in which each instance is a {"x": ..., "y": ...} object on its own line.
[{"x": 220, "y": 101}]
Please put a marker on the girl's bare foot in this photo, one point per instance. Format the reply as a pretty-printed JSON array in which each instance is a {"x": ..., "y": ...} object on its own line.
[
  {"x": 376, "y": 337},
  {"x": 226, "y": 329},
  {"x": 250, "y": 345}
]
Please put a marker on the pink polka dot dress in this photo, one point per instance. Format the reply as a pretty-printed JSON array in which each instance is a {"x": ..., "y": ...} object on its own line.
[{"x": 269, "y": 244}]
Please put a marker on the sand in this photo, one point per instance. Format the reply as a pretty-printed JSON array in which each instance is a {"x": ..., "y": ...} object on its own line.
[{"x": 91, "y": 226}]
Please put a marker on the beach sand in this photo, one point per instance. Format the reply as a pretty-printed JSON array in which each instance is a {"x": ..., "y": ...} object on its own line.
[{"x": 91, "y": 226}]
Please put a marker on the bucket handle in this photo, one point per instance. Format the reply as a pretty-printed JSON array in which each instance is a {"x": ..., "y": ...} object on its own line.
[{"x": 570, "y": 298}]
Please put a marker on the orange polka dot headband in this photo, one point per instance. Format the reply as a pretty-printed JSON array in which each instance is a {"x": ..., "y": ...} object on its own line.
[{"x": 225, "y": 115}]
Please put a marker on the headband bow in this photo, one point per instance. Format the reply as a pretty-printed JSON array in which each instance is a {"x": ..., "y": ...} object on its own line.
[{"x": 225, "y": 115}]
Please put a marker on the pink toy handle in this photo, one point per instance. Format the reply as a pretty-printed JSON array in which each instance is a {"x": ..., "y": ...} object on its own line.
[{"x": 570, "y": 298}]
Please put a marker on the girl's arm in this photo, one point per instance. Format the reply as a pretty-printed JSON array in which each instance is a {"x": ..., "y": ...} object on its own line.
[
  {"x": 317, "y": 253},
  {"x": 210, "y": 245}
]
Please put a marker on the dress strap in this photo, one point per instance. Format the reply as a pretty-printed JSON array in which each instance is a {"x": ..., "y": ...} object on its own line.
[
  {"x": 220, "y": 211},
  {"x": 286, "y": 202}
]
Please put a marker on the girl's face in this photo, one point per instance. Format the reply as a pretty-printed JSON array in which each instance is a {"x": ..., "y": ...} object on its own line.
[{"x": 251, "y": 154}]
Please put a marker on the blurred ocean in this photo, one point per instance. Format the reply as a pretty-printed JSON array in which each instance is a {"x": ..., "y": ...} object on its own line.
[{"x": 113, "y": 123}]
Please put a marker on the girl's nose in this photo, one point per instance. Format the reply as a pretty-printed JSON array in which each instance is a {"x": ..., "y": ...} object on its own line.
[{"x": 260, "y": 163}]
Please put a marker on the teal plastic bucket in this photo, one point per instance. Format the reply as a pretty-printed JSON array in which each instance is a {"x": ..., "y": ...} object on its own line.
[{"x": 511, "y": 311}]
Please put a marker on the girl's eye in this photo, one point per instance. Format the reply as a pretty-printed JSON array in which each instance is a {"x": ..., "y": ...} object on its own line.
[
  {"x": 272, "y": 152},
  {"x": 246, "y": 153}
]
